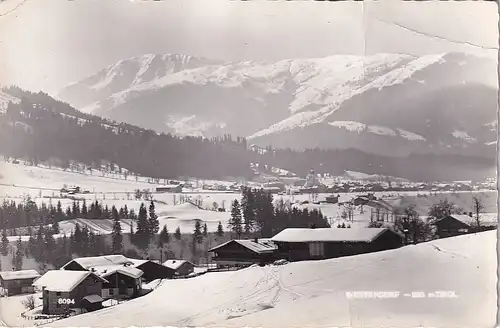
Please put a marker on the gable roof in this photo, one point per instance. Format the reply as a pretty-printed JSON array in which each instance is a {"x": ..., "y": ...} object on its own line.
[
  {"x": 300, "y": 235},
  {"x": 63, "y": 280},
  {"x": 175, "y": 264},
  {"x": 89, "y": 262},
  {"x": 22, "y": 274},
  {"x": 462, "y": 218},
  {"x": 107, "y": 270},
  {"x": 259, "y": 247}
]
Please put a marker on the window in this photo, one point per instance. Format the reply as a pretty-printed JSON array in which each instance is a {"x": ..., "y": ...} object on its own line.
[
  {"x": 316, "y": 249},
  {"x": 111, "y": 291},
  {"x": 58, "y": 293}
]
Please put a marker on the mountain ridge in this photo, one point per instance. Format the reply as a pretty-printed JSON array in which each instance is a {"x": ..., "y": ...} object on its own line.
[{"x": 265, "y": 100}]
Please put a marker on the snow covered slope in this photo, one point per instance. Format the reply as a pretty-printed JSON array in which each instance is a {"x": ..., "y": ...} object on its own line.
[
  {"x": 313, "y": 293},
  {"x": 316, "y": 101}
]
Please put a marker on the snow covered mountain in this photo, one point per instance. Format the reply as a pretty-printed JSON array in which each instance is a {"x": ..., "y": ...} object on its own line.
[{"x": 389, "y": 104}]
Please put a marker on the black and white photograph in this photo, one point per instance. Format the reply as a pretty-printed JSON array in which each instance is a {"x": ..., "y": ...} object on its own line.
[{"x": 272, "y": 164}]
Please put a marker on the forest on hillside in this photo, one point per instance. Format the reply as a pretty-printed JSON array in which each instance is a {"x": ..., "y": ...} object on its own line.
[{"x": 40, "y": 127}]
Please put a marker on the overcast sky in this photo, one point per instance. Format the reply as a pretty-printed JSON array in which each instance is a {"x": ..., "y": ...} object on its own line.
[{"x": 47, "y": 44}]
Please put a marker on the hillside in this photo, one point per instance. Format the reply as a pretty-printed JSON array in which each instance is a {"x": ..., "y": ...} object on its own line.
[
  {"x": 313, "y": 293},
  {"x": 41, "y": 129},
  {"x": 385, "y": 104}
]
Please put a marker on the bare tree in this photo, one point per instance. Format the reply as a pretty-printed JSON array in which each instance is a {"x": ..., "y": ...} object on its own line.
[
  {"x": 478, "y": 209},
  {"x": 29, "y": 302}
]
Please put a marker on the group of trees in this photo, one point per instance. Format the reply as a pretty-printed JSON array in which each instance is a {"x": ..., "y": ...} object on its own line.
[
  {"x": 257, "y": 215},
  {"x": 409, "y": 223},
  {"x": 52, "y": 129},
  {"x": 46, "y": 128}
]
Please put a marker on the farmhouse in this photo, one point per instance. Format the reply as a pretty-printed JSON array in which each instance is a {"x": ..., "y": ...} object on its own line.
[
  {"x": 242, "y": 252},
  {"x": 180, "y": 267},
  {"x": 18, "y": 282},
  {"x": 63, "y": 290},
  {"x": 152, "y": 270},
  {"x": 123, "y": 279},
  {"x": 296, "y": 244}
]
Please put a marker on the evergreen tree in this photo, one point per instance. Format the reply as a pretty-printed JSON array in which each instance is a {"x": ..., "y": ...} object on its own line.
[
  {"x": 18, "y": 256},
  {"x": 164, "y": 237},
  {"x": 84, "y": 210},
  {"x": 248, "y": 209},
  {"x": 59, "y": 212},
  {"x": 142, "y": 228},
  {"x": 177, "y": 233},
  {"x": 4, "y": 247},
  {"x": 116, "y": 234},
  {"x": 76, "y": 209},
  {"x": 153, "y": 223},
  {"x": 235, "y": 220},
  {"x": 31, "y": 246},
  {"x": 125, "y": 212},
  {"x": 220, "y": 230},
  {"x": 197, "y": 233},
  {"x": 205, "y": 230}
]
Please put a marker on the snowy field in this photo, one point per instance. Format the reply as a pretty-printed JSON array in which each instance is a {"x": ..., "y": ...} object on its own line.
[
  {"x": 313, "y": 293},
  {"x": 18, "y": 180}
]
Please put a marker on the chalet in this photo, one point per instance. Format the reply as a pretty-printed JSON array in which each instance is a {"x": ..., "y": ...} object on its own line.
[
  {"x": 18, "y": 282},
  {"x": 454, "y": 225},
  {"x": 152, "y": 270},
  {"x": 63, "y": 290},
  {"x": 180, "y": 267},
  {"x": 297, "y": 244},
  {"x": 123, "y": 279},
  {"x": 242, "y": 253}
]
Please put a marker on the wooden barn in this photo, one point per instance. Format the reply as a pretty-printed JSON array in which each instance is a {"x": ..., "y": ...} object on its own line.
[
  {"x": 180, "y": 267},
  {"x": 297, "y": 244},
  {"x": 153, "y": 270},
  {"x": 243, "y": 252},
  {"x": 63, "y": 290},
  {"x": 18, "y": 282},
  {"x": 453, "y": 225}
]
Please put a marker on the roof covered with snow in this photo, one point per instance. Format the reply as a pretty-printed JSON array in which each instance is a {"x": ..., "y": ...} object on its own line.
[
  {"x": 484, "y": 219},
  {"x": 299, "y": 235},
  {"x": 62, "y": 280},
  {"x": 175, "y": 264},
  {"x": 89, "y": 262},
  {"x": 94, "y": 298},
  {"x": 107, "y": 270},
  {"x": 259, "y": 246},
  {"x": 137, "y": 262},
  {"x": 23, "y": 274}
]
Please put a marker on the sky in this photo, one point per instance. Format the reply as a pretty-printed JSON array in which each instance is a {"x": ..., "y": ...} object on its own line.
[{"x": 46, "y": 45}]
